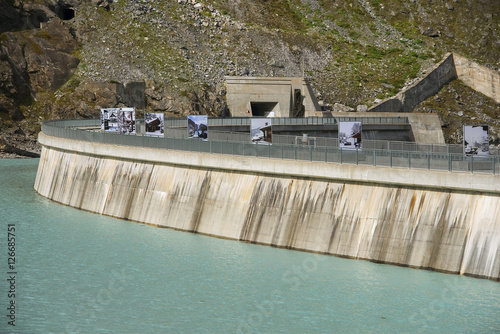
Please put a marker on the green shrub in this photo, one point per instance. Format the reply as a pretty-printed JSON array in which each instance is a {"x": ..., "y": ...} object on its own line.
[
  {"x": 354, "y": 34},
  {"x": 405, "y": 60},
  {"x": 45, "y": 35},
  {"x": 342, "y": 24},
  {"x": 375, "y": 53},
  {"x": 423, "y": 56}
]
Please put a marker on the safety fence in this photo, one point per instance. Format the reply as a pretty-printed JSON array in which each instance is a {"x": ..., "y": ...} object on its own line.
[
  {"x": 235, "y": 121},
  {"x": 330, "y": 142},
  {"x": 452, "y": 162}
]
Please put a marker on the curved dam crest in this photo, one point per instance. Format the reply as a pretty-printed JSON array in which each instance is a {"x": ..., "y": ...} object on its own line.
[{"x": 448, "y": 230}]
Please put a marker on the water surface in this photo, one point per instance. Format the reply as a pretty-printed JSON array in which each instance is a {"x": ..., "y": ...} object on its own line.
[{"x": 78, "y": 272}]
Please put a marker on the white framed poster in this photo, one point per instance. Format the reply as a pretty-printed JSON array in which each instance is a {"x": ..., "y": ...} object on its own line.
[
  {"x": 154, "y": 124},
  {"x": 350, "y": 135},
  {"x": 126, "y": 120},
  {"x": 109, "y": 119},
  {"x": 261, "y": 130},
  {"x": 476, "y": 140},
  {"x": 198, "y": 126}
]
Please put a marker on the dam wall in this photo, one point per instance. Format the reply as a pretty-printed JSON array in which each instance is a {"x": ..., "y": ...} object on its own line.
[{"x": 437, "y": 220}]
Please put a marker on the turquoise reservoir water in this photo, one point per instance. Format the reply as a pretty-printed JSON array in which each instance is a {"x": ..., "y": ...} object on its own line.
[{"x": 78, "y": 272}]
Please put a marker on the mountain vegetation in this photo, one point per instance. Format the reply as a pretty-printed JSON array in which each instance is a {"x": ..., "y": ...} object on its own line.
[{"x": 353, "y": 52}]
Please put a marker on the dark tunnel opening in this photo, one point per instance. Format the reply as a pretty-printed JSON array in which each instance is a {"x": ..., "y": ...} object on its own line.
[{"x": 66, "y": 13}]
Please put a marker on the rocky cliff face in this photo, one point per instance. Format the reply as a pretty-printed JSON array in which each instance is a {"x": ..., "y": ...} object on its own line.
[{"x": 67, "y": 59}]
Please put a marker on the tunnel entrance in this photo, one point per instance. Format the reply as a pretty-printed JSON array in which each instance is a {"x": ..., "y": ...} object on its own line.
[
  {"x": 66, "y": 13},
  {"x": 263, "y": 109}
]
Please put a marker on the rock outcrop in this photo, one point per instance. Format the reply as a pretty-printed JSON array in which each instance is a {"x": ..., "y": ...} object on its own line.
[
  {"x": 32, "y": 61},
  {"x": 173, "y": 55}
]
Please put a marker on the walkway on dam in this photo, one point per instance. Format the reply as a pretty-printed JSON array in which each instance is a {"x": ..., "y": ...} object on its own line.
[{"x": 409, "y": 159}]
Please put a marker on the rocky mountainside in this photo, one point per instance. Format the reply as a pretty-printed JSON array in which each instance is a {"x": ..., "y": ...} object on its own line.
[{"x": 68, "y": 58}]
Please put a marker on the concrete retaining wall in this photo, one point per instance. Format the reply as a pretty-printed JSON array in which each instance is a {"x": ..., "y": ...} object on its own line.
[
  {"x": 453, "y": 66},
  {"x": 386, "y": 215},
  {"x": 478, "y": 77},
  {"x": 429, "y": 85}
]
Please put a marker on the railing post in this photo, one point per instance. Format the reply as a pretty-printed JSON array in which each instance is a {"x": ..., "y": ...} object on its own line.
[
  {"x": 429, "y": 161},
  {"x": 374, "y": 158},
  {"x": 472, "y": 164},
  {"x": 390, "y": 159},
  {"x": 269, "y": 150},
  {"x": 450, "y": 163},
  {"x": 494, "y": 165},
  {"x": 295, "y": 152},
  {"x": 340, "y": 154},
  {"x": 409, "y": 160},
  {"x": 357, "y": 156},
  {"x": 281, "y": 151}
]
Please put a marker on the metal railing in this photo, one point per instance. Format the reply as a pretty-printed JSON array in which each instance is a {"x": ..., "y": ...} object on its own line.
[
  {"x": 235, "y": 121},
  {"x": 452, "y": 162},
  {"x": 333, "y": 142}
]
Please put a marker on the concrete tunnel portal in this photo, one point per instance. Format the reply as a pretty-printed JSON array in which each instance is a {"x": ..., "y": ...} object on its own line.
[{"x": 263, "y": 109}]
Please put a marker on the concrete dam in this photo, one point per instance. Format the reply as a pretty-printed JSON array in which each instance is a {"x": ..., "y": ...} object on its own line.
[{"x": 430, "y": 219}]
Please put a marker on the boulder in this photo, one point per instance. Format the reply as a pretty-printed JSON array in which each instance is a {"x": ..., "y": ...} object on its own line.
[
  {"x": 337, "y": 107},
  {"x": 431, "y": 32},
  {"x": 362, "y": 108},
  {"x": 106, "y": 4}
]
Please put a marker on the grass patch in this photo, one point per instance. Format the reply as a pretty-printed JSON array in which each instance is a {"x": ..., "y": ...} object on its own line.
[
  {"x": 45, "y": 35},
  {"x": 375, "y": 53},
  {"x": 342, "y": 24},
  {"x": 405, "y": 60},
  {"x": 354, "y": 34}
]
